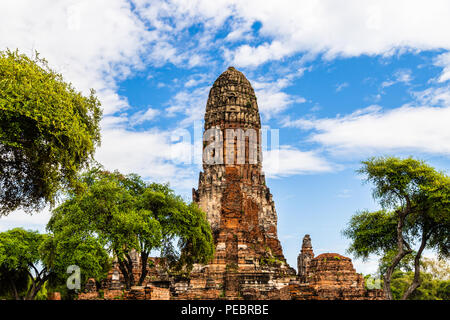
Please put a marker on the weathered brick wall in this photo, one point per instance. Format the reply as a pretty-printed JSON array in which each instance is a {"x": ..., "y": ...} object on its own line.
[
  {"x": 332, "y": 277},
  {"x": 54, "y": 296},
  {"x": 249, "y": 261},
  {"x": 88, "y": 296},
  {"x": 156, "y": 293},
  {"x": 234, "y": 195}
]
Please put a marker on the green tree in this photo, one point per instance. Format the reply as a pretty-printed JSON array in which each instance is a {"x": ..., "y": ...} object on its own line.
[
  {"x": 19, "y": 254},
  {"x": 431, "y": 288},
  {"x": 29, "y": 259},
  {"x": 13, "y": 283},
  {"x": 439, "y": 269},
  {"x": 129, "y": 215},
  {"x": 416, "y": 210},
  {"x": 48, "y": 131},
  {"x": 61, "y": 250}
]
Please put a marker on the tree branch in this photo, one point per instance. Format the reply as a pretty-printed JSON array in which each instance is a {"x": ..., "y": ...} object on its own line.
[
  {"x": 416, "y": 281},
  {"x": 401, "y": 251},
  {"x": 33, "y": 285},
  {"x": 13, "y": 286},
  {"x": 144, "y": 258}
]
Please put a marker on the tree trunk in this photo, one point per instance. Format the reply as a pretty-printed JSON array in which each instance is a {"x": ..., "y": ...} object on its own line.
[
  {"x": 129, "y": 264},
  {"x": 31, "y": 289},
  {"x": 144, "y": 258},
  {"x": 400, "y": 255},
  {"x": 388, "y": 275},
  {"x": 123, "y": 266},
  {"x": 126, "y": 267},
  {"x": 13, "y": 287},
  {"x": 416, "y": 281},
  {"x": 40, "y": 283}
]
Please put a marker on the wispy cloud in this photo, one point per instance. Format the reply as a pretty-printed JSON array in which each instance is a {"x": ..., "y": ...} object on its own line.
[
  {"x": 443, "y": 60},
  {"x": 288, "y": 160},
  {"x": 400, "y": 76},
  {"x": 341, "y": 86},
  {"x": 421, "y": 126},
  {"x": 272, "y": 100},
  {"x": 189, "y": 102},
  {"x": 144, "y": 116}
]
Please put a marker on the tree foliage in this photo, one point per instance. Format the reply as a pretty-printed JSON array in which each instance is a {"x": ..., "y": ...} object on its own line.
[
  {"x": 416, "y": 211},
  {"x": 371, "y": 233},
  {"x": 437, "y": 268},
  {"x": 431, "y": 288},
  {"x": 28, "y": 260},
  {"x": 48, "y": 131},
  {"x": 19, "y": 255},
  {"x": 130, "y": 216}
]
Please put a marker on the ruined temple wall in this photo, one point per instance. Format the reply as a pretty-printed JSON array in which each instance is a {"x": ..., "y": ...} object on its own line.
[
  {"x": 213, "y": 184},
  {"x": 248, "y": 261},
  {"x": 233, "y": 191}
]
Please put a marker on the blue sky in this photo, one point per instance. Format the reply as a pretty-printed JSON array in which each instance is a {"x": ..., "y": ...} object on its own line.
[{"x": 340, "y": 80}]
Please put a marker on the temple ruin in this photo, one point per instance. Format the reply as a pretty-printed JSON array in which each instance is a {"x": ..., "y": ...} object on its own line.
[{"x": 232, "y": 191}]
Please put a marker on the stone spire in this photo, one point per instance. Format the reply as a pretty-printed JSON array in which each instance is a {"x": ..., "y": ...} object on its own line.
[
  {"x": 232, "y": 102},
  {"x": 232, "y": 188},
  {"x": 248, "y": 262},
  {"x": 304, "y": 258}
]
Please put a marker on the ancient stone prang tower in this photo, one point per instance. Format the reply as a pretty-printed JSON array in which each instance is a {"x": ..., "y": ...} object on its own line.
[
  {"x": 304, "y": 258},
  {"x": 232, "y": 188},
  {"x": 232, "y": 191}
]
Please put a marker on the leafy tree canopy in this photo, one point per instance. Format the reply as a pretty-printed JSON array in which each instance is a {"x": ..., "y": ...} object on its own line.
[
  {"x": 130, "y": 216},
  {"x": 416, "y": 211},
  {"x": 29, "y": 259},
  {"x": 48, "y": 131},
  {"x": 430, "y": 288}
]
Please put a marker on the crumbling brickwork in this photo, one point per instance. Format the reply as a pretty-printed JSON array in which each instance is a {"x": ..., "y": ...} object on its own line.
[
  {"x": 329, "y": 276},
  {"x": 232, "y": 191},
  {"x": 304, "y": 258}
]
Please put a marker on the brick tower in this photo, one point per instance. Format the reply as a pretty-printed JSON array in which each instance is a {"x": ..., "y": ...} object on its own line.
[
  {"x": 248, "y": 262},
  {"x": 232, "y": 188}
]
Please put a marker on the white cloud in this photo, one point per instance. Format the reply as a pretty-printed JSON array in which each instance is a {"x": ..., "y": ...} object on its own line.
[
  {"x": 191, "y": 83},
  {"x": 334, "y": 28},
  {"x": 92, "y": 43},
  {"x": 338, "y": 28},
  {"x": 435, "y": 96},
  {"x": 20, "y": 219},
  {"x": 191, "y": 103},
  {"x": 287, "y": 161},
  {"x": 344, "y": 193},
  {"x": 400, "y": 76},
  {"x": 290, "y": 27},
  {"x": 248, "y": 56},
  {"x": 197, "y": 79},
  {"x": 271, "y": 99},
  {"x": 151, "y": 154},
  {"x": 341, "y": 86},
  {"x": 241, "y": 29},
  {"x": 422, "y": 128},
  {"x": 143, "y": 116},
  {"x": 443, "y": 60}
]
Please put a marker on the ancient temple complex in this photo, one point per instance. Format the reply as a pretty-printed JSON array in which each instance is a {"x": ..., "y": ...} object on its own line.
[{"x": 232, "y": 191}]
